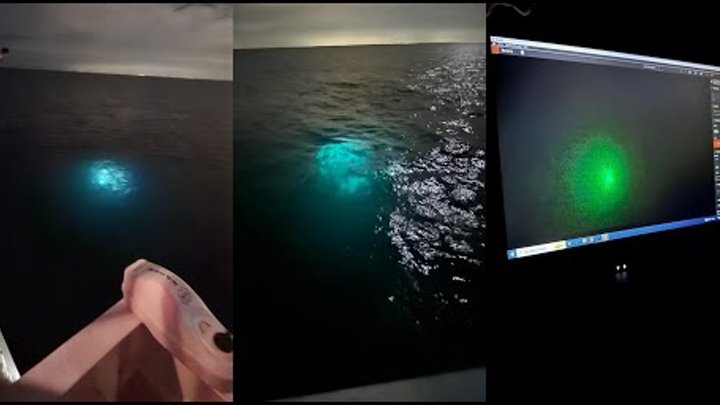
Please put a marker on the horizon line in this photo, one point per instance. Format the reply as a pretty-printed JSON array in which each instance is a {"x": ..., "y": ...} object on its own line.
[
  {"x": 350, "y": 45},
  {"x": 115, "y": 74}
]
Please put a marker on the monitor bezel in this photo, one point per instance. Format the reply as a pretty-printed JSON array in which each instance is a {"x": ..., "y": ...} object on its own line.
[{"x": 641, "y": 254}]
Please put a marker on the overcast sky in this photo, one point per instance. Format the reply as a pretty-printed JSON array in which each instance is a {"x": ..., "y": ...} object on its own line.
[
  {"x": 300, "y": 25},
  {"x": 192, "y": 41}
]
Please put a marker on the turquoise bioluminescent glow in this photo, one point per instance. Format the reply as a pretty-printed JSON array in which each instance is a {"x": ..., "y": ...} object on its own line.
[
  {"x": 345, "y": 166},
  {"x": 111, "y": 177}
]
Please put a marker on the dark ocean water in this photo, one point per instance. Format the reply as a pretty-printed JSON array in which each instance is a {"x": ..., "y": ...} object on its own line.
[
  {"x": 97, "y": 171},
  {"x": 359, "y": 192}
]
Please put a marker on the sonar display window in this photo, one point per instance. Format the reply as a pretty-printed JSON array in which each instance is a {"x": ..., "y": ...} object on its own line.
[{"x": 598, "y": 145}]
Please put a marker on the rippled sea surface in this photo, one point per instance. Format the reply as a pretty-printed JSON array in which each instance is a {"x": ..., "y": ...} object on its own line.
[
  {"x": 359, "y": 192},
  {"x": 96, "y": 172}
]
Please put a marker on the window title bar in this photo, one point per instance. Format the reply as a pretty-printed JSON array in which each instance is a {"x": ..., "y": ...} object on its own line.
[{"x": 527, "y": 45}]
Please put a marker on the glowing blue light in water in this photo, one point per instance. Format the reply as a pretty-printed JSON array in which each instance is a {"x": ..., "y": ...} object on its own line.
[
  {"x": 111, "y": 177},
  {"x": 346, "y": 166}
]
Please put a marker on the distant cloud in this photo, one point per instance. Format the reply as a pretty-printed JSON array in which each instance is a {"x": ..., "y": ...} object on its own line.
[
  {"x": 298, "y": 25},
  {"x": 185, "y": 40}
]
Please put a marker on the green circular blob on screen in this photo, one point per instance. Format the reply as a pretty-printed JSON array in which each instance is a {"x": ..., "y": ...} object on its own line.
[
  {"x": 345, "y": 166},
  {"x": 597, "y": 176}
]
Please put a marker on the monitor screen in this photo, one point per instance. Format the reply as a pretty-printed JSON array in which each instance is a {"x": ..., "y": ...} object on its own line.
[{"x": 597, "y": 146}]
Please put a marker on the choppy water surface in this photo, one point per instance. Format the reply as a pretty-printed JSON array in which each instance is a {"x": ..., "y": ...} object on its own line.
[{"x": 359, "y": 191}]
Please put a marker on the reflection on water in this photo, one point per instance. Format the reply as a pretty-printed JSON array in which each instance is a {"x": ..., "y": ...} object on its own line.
[
  {"x": 437, "y": 225},
  {"x": 440, "y": 212}
]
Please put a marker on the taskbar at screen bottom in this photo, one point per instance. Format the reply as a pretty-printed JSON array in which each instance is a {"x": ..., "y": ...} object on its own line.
[{"x": 604, "y": 237}]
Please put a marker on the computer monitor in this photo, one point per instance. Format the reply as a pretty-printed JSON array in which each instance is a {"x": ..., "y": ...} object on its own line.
[{"x": 597, "y": 146}]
